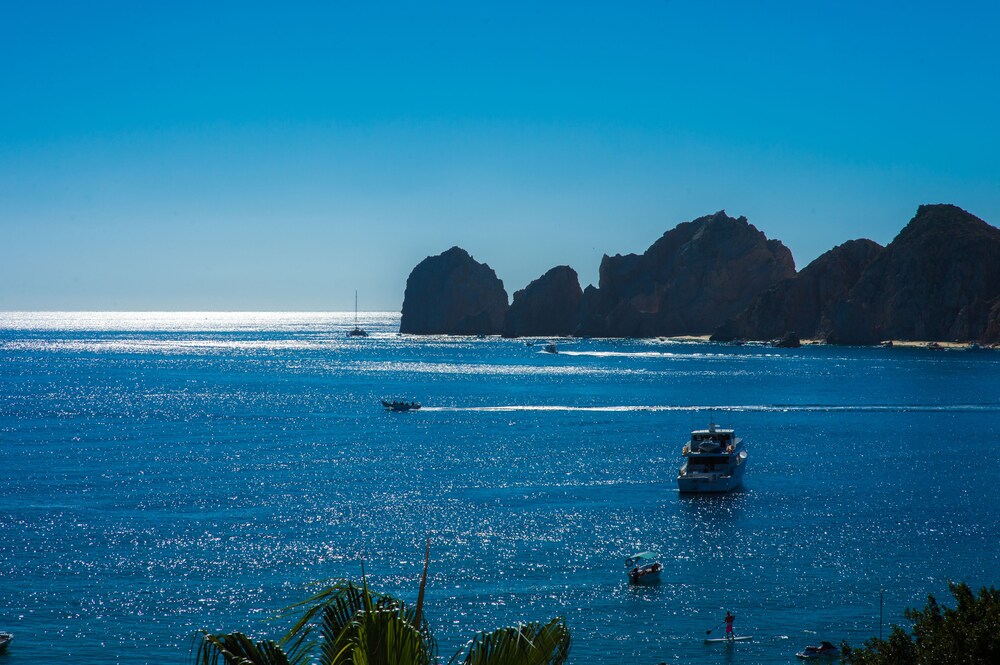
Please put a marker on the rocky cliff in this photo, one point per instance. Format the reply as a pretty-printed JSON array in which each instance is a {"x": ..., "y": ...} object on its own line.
[
  {"x": 939, "y": 279},
  {"x": 694, "y": 278},
  {"x": 991, "y": 335},
  {"x": 547, "y": 306},
  {"x": 804, "y": 303},
  {"x": 452, "y": 293}
]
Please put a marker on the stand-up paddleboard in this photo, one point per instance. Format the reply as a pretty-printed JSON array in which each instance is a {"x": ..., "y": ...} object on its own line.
[{"x": 741, "y": 638}]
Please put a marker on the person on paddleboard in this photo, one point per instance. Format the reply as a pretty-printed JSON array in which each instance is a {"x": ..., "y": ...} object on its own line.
[{"x": 729, "y": 626}]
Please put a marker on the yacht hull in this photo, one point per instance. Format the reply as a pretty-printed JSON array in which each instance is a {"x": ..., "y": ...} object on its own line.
[{"x": 711, "y": 483}]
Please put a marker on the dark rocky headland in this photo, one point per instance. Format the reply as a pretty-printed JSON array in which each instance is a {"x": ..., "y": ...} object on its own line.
[
  {"x": 453, "y": 294},
  {"x": 939, "y": 279}
]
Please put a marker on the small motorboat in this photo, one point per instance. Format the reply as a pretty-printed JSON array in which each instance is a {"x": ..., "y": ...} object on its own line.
[
  {"x": 400, "y": 405},
  {"x": 5, "y": 640},
  {"x": 643, "y": 568},
  {"x": 824, "y": 650},
  {"x": 551, "y": 348}
]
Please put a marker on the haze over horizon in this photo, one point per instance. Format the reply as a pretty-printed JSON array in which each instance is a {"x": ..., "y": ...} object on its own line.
[{"x": 241, "y": 157}]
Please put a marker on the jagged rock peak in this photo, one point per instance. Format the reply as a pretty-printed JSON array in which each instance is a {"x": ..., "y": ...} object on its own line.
[
  {"x": 452, "y": 293},
  {"x": 936, "y": 280},
  {"x": 691, "y": 280},
  {"x": 548, "y": 306},
  {"x": 936, "y": 217},
  {"x": 803, "y": 302}
]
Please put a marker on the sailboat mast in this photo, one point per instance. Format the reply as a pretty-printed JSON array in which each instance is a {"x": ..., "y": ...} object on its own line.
[{"x": 355, "y": 308}]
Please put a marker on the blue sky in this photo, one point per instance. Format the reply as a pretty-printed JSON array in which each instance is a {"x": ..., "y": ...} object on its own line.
[{"x": 247, "y": 157}]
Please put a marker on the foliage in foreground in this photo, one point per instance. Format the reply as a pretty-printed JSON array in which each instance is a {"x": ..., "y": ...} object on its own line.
[
  {"x": 347, "y": 624},
  {"x": 967, "y": 634}
]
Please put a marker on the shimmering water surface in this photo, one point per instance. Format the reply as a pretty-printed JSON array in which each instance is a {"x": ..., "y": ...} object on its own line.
[{"x": 168, "y": 472}]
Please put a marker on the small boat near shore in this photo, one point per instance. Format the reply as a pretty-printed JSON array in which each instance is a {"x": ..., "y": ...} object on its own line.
[
  {"x": 714, "y": 461},
  {"x": 400, "y": 405},
  {"x": 824, "y": 650},
  {"x": 5, "y": 640},
  {"x": 644, "y": 568}
]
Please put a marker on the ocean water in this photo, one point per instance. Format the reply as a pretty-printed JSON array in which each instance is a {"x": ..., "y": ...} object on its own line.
[{"x": 164, "y": 473}]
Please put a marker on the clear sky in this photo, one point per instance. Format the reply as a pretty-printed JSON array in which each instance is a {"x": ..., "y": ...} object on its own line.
[{"x": 242, "y": 156}]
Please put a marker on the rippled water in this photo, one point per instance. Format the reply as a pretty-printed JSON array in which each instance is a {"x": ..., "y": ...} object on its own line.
[{"x": 168, "y": 472}]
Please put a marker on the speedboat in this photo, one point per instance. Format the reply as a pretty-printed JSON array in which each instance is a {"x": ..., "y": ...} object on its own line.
[
  {"x": 551, "y": 348},
  {"x": 400, "y": 405},
  {"x": 824, "y": 650},
  {"x": 714, "y": 461},
  {"x": 5, "y": 640},
  {"x": 643, "y": 568}
]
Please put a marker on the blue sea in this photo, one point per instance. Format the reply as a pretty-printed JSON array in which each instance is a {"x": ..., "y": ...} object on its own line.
[{"x": 163, "y": 473}]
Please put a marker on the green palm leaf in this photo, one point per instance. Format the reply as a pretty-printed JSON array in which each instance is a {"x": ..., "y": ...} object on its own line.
[
  {"x": 238, "y": 649},
  {"x": 351, "y": 625},
  {"x": 343, "y": 609},
  {"x": 384, "y": 638},
  {"x": 528, "y": 644}
]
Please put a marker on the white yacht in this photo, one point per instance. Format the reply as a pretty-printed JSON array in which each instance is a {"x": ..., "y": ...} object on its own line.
[{"x": 714, "y": 461}]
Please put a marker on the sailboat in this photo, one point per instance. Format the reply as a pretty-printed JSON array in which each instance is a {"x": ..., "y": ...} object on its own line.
[{"x": 356, "y": 332}]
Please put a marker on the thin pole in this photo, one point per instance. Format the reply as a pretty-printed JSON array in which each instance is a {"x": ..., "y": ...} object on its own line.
[
  {"x": 881, "y": 592},
  {"x": 355, "y": 308}
]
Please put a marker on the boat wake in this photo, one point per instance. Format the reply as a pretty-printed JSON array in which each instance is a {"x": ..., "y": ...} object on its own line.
[
  {"x": 667, "y": 355},
  {"x": 743, "y": 408}
]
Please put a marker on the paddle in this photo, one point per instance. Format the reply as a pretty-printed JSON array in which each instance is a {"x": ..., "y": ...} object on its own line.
[{"x": 709, "y": 632}]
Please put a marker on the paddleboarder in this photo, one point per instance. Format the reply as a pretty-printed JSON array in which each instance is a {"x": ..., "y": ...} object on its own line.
[{"x": 729, "y": 626}]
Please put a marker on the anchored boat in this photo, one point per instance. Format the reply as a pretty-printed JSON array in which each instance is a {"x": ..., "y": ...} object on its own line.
[
  {"x": 356, "y": 331},
  {"x": 643, "y": 568},
  {"x": 824, "y": 650},
  {"x": 714, "y": 461}
]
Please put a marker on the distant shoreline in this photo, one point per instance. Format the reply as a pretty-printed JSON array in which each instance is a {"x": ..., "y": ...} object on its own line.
[
  {"x": 908, "y": 343},
  {"x": 160, "y": 320}
]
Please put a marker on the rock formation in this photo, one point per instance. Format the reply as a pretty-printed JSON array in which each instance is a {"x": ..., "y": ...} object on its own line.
[
  {"x": 991, "y": 335},
  {"x": 547, "y": 306},
  {"x": 694, "y": 278},
  {"x": 452, "y": 293},
  {"x": 939, "y": 279},
  {"x": 803, "y": 303},
  {"x": 790, "y": 340}
]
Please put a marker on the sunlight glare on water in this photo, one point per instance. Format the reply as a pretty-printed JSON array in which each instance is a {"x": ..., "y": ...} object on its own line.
[{"x": 167, "y": 472}]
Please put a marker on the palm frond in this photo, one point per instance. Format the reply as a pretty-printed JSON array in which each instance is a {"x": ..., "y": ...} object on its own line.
[
  {"x": 238, "y": 649},
  {"x": 386, "y": 637},
  {"x": 423, "y": 584},
  {"x": 335, "y": 612},
  {"x": 317, "y": 604},
  {"x": 527, "y": 644}
]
